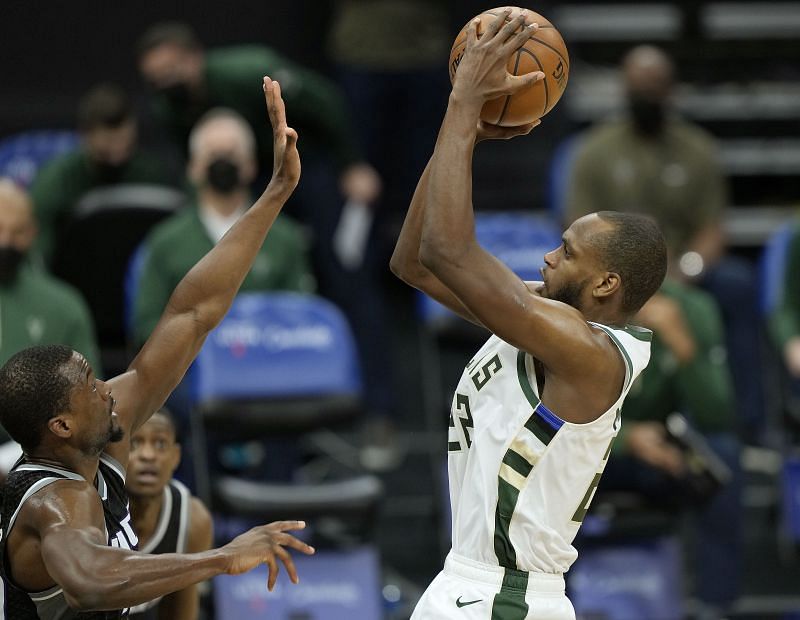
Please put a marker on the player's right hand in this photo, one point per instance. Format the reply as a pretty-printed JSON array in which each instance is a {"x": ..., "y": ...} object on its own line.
[
  {"x": 265, "y": 545},
  {"x": 286, "y": 159},
  {"x": 487, "y": 131}
]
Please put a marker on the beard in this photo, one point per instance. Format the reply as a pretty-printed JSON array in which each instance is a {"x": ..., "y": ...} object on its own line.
[{"x": 569, "y": 293}]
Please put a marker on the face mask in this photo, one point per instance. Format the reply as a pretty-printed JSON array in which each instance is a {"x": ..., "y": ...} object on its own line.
[
  {"x": 223, "y": 175},
  {"x": 109, "y": 173},
  {"x": 179, "y": 93},
  {"x": 647, "y": 115},
  {"x": 10, "y": 261}
]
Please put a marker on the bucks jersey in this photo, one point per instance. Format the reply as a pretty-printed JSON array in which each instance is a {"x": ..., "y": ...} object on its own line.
[
  {"x": 521, "y": 478},
  {"x": 22, "y": 482}
]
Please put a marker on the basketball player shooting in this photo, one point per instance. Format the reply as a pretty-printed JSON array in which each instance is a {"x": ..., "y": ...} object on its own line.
[
  {"x": 537, "y": 408},
  {"x": 66, "y": 538}
]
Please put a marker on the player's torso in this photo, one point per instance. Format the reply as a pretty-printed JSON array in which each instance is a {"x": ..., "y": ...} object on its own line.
[
  {"x": 27, "y": 479},
  {"x": 520, "y": 477}
]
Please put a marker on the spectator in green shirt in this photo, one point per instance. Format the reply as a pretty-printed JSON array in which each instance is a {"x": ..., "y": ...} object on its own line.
[
  {"x": 108, "y": 155},
  {"x": 688, "y": 373},
  {"x": 35, "y": 308},
  {"x": 654, "y": 162},
  {"x": 221, "y": 167},
  {"x": 187, "y": 80}
]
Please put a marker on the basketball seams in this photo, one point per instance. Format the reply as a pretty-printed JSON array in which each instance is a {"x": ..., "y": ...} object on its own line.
[
  {"x": 508, "y": 97},
  {"x": 544, "y": 81},
  {"x": 554, "y": 49}
]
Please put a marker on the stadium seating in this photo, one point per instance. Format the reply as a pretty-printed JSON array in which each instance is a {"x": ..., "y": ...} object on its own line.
[{"x": 22, "y": 155}]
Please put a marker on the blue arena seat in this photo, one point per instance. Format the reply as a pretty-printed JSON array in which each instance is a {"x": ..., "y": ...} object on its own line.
[
  {"x": 773, "y": 265},
  {"x": 22, "y": 155}
]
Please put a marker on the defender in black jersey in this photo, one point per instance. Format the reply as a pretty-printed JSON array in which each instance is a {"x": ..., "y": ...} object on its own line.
[
  {"x": 165, "y": 516},
  {"x": 66, "y": 545}
]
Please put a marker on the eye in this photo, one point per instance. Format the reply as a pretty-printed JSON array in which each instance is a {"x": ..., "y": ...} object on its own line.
[
  {"x": 161, "y": 445},
  {"x": 566, "y": 251},
  {"x": 135, "y": 444}
]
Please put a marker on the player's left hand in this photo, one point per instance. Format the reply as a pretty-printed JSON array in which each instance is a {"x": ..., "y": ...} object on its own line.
[
  {"x": 487, "y": 131},
  {"x": 482, "y": 73},
  {"x": 286, "y": 159}
]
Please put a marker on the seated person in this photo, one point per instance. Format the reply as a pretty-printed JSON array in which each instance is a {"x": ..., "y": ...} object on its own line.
[
  {"x": 108, "y": 156},
  {"x": 35, "y": 308},
  {"x": 165, "y": 516},
  {"x": 222, "y": 165},
  {"x": 688, "y": 373}
]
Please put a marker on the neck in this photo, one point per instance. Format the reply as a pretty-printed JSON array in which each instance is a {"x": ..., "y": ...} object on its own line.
[
  {"x": 145, "y": 511},
  {"x": 224, "y": 204},
  {"x": 606, "y": 316},
  {"x": 81, "y": 464}
]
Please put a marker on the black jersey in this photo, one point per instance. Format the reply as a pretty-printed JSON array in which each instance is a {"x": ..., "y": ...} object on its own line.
[
  {"x": 169, "y": 536},
  {"x": 22, "y": 482}
]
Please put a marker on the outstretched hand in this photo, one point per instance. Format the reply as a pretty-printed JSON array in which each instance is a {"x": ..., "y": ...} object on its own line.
[
  {"x": 482, "y": 73},
  {"x": 286, "y": 159},
  {"x": 265, "y": 545}
]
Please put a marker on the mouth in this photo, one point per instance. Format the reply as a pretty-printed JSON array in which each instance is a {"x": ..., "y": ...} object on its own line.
[{"x": 146, "y": 476}]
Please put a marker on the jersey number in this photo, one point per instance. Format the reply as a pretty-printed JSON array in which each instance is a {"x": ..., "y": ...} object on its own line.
[{"x": 464, "y": 423}]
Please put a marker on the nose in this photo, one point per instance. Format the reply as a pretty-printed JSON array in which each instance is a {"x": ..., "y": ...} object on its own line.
[
  {"x": 146, "y": 451},
  {"x": 550, "y": 258}
]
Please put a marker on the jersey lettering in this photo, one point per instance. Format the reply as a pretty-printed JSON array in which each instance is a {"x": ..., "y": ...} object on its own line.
[{"x": 486, "y": 372}]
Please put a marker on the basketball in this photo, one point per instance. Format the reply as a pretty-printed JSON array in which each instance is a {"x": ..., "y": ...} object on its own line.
[{"x": 545, "y": 51}]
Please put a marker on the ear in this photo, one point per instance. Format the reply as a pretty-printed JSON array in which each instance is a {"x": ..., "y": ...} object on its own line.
[
  {"x": 175, "y": 457},
  {"x": 609, "y": 285},
  {"x": 62, "y": 426}
]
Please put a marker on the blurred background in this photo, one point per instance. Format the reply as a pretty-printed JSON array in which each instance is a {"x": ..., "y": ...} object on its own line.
[{"x": 325, "y": 394}]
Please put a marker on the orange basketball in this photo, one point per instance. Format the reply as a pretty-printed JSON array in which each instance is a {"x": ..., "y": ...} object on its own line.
[{"x": 545, "y": 51}]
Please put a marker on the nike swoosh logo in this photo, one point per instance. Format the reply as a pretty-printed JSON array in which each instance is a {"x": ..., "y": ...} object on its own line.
[{"x": 459, "y": 604}]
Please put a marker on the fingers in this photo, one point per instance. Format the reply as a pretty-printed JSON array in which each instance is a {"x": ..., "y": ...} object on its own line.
[
  {"x": 516, "y": 25},
  {"x": 472, "y": 31},
  {"x": 497, "y": 24},
  {"x": 518, "y": 82},
  {"x": 275, "y": 106},
  {"x": 518, "y": 38},
  {"x": 288, "y": 563},
  {"x": 287, "y": 540},
  {"x": 273, "y": 571},
  {"x": 285, "y": 526}
]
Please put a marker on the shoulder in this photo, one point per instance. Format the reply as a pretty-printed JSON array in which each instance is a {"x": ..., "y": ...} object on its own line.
[
  {"x": 693, "y": 136},
  {"x": 58, "y": 167},
  {"x": 59, "y": 502},
  {"x": 238, "y": 56},
  {"x": 57, "y": 292},
  {"x": 174, "y": 228}
]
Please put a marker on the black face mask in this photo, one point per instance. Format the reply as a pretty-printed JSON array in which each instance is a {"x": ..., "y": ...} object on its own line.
[
  {"x": 647, "y": 115},
  {"x": 109, "y": 173},
  {"x": 179, "y": 93},
  {"x": 223, "y": 175},
  {"x": 10, "y": 261}
]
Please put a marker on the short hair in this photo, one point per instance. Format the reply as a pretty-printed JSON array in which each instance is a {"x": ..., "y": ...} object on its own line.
[
  {"x": 104, "y": 106},
  {"x": 33, "y": 389},
  {"x": 216, "y": 114},
  {"x": 167, "y": 415},
  {"x": 168, "y": 33},
  {"x": 636, "y": 250}
]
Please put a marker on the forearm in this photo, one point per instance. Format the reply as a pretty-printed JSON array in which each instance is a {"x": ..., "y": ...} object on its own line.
[
  {"x": 118, "y": 579},
  {"x": 405, "y": 258},
  {"x": 207, "y": 291},
  {"x": 448, "y": 229}
]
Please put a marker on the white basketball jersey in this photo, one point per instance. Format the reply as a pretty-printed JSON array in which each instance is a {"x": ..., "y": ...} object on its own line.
[{"x": 521, "y": 478}]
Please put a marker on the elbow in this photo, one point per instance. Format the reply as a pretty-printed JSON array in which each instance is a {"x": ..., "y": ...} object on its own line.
[
  {"x": 410, "y": 272},
  {"x": 85, "y": 596},
  {"x": 434, "y": 255}
]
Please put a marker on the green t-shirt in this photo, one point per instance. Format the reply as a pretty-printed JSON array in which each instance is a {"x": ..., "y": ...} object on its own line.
[
  {"x": 676, "y": 178},
  {"x": 174, "y": 246},
  {"x": 233, "y": 79},
  {"x": 38, "y": 309},
  {"x": 59, "y": 184},
  {"x": 702, "y": 389}
]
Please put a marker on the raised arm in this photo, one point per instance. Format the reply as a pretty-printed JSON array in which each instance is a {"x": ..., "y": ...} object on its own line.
[
  {"x": 405, "y": 263},
  {"x": 555, "y": 333},
  {"x": 70, "y": 526},
  {"x": 205, "y": 294}
]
